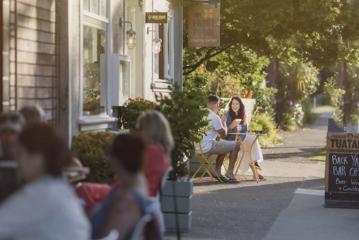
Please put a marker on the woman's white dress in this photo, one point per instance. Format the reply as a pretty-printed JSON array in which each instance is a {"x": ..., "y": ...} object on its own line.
[{"x": 245, "y": 149}]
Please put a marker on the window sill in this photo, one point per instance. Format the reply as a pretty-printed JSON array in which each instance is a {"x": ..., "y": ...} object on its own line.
[
  {"x": 162, "y": 85},
  {"x": 97, "y": 120},
  {"x": 97, "y": 123}
]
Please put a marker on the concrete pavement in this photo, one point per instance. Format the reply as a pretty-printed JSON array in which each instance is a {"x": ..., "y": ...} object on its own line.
[{"x": 306, "y": 218}]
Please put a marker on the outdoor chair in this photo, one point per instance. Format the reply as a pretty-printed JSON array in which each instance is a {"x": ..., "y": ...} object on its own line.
[{"x": 204, "y": 164}]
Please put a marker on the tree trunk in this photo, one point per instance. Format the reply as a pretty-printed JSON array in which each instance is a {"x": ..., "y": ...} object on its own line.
[{"x": 344, "y": 82}]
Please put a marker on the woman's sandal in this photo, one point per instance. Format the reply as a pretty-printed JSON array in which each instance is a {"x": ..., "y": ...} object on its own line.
[
  {"x": 260, "y": 177},
  {"x": 257, "y": 166}
]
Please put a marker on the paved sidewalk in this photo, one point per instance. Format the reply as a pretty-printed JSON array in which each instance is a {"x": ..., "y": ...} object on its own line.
[{"x": 306, "y": 218}]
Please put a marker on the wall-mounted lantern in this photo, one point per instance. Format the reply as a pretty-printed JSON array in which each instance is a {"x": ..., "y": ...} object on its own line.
[
  {"x": 157, "y": 45},
  {"x": 131, "y": 34},
  {"x": 156, "y": 42}
]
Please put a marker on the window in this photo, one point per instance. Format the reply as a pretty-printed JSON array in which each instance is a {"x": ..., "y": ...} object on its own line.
[
  {"x": 161, "y": 59},
  {"x": 164, "y": 59},
  {"x": 97, "y": 7},
  {"x": 94, "y": 57}
]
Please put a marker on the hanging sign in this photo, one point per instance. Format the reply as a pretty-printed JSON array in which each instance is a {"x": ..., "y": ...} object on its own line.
[
  {"x": 204, "y": 25},
  {"x": 156, "y": 17},
  {"x": 342, "y": 170}
]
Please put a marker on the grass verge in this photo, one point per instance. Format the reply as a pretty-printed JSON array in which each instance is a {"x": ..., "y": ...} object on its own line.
[{"x": 320, "y": 156}]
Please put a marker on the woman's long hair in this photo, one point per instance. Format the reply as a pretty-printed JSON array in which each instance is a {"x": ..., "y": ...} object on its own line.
[
  {"x": 241, "y": 111},
  {"x": 157, "y": 129}
]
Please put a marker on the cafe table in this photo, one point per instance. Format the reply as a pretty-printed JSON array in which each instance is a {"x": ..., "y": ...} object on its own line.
[{"x": 246, "y": 150}]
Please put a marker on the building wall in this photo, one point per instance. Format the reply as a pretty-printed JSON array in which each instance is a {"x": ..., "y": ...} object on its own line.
[
  {"x": 77, "y": 121},
  {"x": 153, "y": 86},
  {"x": 32, "y": 56}
]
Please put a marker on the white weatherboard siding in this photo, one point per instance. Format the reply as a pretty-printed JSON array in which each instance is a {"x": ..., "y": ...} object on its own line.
[{"x": 32, "y": 56}]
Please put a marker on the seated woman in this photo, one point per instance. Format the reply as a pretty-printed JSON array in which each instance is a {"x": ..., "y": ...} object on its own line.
[
  {"x": 236, "y": 123},
  {"x": 45, "y": 207},
  {"x": 124, "y": 209}
]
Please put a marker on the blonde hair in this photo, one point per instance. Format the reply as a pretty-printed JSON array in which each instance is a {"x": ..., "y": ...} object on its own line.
[{"x": 157, "y": 129}]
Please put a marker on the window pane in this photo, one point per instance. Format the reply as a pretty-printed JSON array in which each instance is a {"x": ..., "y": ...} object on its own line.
[
  {"x": 94, "y": 71},
  {"x": 95, "y": 7},
  {"x": 86, "y": 5},
  {"x": 103, "y": 7}
]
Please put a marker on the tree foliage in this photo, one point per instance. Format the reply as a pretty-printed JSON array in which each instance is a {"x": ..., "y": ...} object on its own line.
[{"x": 297, "y": 35}]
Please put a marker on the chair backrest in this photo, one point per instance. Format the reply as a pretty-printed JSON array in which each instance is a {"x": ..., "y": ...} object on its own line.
[
  {"x": 198, "y": 148},
  {"x": 249, "y": 105}
]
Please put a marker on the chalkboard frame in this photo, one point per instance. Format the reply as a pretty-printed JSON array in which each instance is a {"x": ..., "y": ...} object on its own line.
[{"x": 335, "y": 198}]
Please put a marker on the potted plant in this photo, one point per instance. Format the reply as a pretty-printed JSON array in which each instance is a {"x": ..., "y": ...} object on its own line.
[{"x": 186, "y": 113}]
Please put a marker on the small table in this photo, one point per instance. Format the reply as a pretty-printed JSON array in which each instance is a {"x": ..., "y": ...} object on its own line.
[{"x": 251, "y": 162}]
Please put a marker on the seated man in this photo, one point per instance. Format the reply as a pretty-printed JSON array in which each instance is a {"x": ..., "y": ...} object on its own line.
[{"x": 209, "y": 143}]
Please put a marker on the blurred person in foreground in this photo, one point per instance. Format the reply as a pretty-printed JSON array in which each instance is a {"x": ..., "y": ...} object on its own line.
[
  {"x": 33, "y": 114},
  {"x": 123, "y": 211},
  {"x": 11, "y": 124},
  {"x": 156, "y": 132},
  {"x": 45, "y": 207}
]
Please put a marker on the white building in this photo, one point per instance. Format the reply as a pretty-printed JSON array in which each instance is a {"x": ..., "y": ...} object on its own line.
[{"x": 75, "y": 57}]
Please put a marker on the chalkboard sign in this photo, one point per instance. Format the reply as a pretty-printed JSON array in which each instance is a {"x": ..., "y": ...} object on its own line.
[{"x": 342, "y": 170}]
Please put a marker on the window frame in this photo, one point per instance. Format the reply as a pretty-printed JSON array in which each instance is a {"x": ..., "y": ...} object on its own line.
[
  {"x": 167, "y": 51},
  {"x": 103, "y": 23}
]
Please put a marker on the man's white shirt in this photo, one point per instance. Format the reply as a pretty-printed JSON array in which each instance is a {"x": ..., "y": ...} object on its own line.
[{"x": 215, "y": 124}]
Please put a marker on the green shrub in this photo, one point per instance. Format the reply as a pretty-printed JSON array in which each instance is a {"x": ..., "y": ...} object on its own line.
[
  {"x": 185, "y": 110},
  {"x": 263, "y": 124},
  {"x": 90, "y": 148},
  {"x": 336, "y": 97},
  {"x": 264, "y": 100},
  {"x": 133, "y": 109},
  {"x": 186, "y": 114}
]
